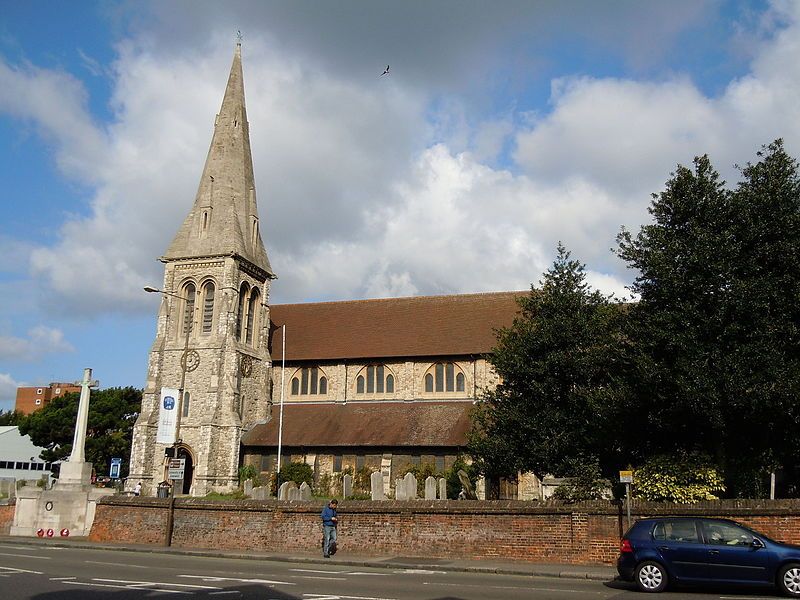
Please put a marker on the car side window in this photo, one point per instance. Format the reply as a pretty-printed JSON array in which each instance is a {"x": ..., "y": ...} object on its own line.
[
  {"x": 676, "y": 531},
  {"x": 727, "y": 534}
]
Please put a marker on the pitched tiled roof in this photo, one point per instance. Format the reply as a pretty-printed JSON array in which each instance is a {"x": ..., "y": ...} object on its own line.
[
  {"x": 394, "y": 327},
  {"x": 378, "y": 424}
]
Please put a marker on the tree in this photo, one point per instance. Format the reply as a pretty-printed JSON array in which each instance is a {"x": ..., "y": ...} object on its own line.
[
  {"x": 112, "y": 413},
  {"x": 10, "y": 417},
  {"x": 558, "y": 388},
  {"x": 715, "y": 332}
]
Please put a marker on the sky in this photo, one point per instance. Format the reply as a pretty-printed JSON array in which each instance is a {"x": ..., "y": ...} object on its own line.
[{"x": 501, "y": 129}]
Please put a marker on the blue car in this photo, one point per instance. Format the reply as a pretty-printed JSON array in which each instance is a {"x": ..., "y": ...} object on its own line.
[{"x": 655, "y": 553}]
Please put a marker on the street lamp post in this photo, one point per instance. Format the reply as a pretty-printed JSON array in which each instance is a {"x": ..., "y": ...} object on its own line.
[{"x": 184, "y": 363}]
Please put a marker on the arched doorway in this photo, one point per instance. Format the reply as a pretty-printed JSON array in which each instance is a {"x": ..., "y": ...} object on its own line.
[{"x": 184, "y": 486}]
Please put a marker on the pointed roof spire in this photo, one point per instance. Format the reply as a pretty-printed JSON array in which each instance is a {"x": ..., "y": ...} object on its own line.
[{"x": 224, "y": 218}]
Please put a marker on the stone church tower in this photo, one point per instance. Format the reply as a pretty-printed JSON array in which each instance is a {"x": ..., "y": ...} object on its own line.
[{"x": 213, "y": 323}]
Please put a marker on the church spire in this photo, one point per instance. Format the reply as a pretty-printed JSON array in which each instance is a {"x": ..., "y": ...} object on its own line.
[{"x": 224, "y": 218}]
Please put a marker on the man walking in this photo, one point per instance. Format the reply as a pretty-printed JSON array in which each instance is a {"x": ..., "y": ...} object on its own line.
[{"x": 329, "y": 521}]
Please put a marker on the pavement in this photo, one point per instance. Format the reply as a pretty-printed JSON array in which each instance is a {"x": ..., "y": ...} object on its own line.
[{"x": 597, "y": 572}]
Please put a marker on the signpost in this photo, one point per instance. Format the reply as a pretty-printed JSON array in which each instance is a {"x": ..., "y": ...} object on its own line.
[
  {"x": 116, "y": 464},
  {"x": 176, "y": 468},
  {"x": 626, "y": 477}
]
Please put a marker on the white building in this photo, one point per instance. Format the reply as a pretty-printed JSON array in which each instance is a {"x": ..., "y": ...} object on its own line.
[{"x": 19, "y": 458}]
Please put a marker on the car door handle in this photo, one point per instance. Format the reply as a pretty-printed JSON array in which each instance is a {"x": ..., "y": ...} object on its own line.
[
  {"x": 712, "y": 552},
  {"x": 663, "y": 548}
]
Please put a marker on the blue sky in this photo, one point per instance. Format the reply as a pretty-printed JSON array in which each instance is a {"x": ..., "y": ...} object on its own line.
[{"x": 501, "y": 129}]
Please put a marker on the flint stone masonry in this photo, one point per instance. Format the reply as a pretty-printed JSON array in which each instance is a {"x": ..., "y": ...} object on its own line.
[{"x": 586, "y": 533}]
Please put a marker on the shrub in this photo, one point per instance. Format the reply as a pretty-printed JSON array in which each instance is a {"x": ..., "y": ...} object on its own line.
[
  {"x": 684, "y": 478},
  {"x": 583, "y": 481},
  {"x": 297, "y": 472},
  {"x": 249, "y": 472},
  {"x": 453, "y": 482}
]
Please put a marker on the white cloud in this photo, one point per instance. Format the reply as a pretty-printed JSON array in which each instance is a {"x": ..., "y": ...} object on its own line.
[
  {"x": 41, "y": 340},
  {"x": 8, "y": 392}
]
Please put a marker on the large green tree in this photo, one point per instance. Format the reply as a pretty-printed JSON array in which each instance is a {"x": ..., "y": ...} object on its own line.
[
  {"x": 558, "y": 392},
  {"x": 112, "y": 413},
  {"x": 716, "y": 326}
]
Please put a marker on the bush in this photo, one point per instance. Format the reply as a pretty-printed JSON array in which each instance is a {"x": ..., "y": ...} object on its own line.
[
  {"x": 422, "y": 472},
  {"x": 583, "y": 481},
  {"x": 249, "y": 472},
  {"x": 297, "y": 472},
  {"x": 684, "y": 478},
  {"x": 453, "y": 482}
]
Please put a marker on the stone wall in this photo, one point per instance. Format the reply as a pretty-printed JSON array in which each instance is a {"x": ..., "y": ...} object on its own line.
[
  {"x": 533, "y": 532},
  {"x": 6, "y": 516}
]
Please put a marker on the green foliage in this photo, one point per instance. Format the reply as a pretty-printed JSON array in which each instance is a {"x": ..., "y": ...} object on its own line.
[
  {"x": 684, "y": 478},
  {"x": 716, "y": 330},
  {"x": 234, "y": 495},
  {"x": 451, "y": 476},
  {"x": 10, "y": 417},
  {"x": 583, "y": 481},
  {"x": 559, "y": 366},
  {"x": 362, "y": 484},
  {"x": 112, "y": 414},
  {"x": 297, "y": 472},
  {"x": 249, "y": 472},
  {"x": 322, "y": 488}
]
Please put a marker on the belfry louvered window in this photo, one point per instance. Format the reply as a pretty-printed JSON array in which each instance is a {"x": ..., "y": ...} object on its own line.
[
  {"x": 252, "y": 313},
  {"x": 189, "y": 293},
  {"x": 208, "y": 307}
]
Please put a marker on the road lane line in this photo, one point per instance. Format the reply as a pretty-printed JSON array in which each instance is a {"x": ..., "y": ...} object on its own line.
[
  {"x": 27, "y": 556},
  {"x": 318, "y": 577},
  {"x": 62, "y": 578},
  {"x": 513, "y": 587},
  {"x": 365, "y": 573},
  {"x": 314, "y": 571},
  {"x": 419, "y": 572},
  {"x": 338, "y": 597},
  {"x": 122, "y": 587},
  {"x": 97, "y": 562},
  {"x": 146, "y": 583},
  {"x": 213, "y": 579},
  {"x": 14, "y": 570}
]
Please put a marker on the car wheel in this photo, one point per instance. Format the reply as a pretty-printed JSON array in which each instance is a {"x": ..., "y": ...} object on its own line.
[
  {"x": 651, "y": 577},
  {"x": 789, "y": 580}
]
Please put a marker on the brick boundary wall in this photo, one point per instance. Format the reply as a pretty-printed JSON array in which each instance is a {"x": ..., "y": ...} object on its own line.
[
  {"x": 7, "y": 508},
  {"x": 586, "y": 533}
]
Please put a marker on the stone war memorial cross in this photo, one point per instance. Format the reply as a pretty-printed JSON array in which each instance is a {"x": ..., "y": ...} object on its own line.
[{"x": 68, "y": 508}]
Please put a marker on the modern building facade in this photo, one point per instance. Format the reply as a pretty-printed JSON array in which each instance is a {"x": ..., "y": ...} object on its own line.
[{"x": 30, "y": 399}]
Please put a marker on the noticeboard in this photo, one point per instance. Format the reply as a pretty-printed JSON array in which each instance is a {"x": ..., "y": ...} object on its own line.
[{"x": 626, "y": 476}]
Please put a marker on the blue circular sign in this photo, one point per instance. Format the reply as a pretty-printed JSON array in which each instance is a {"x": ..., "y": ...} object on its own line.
[{"x": 169, "y": 402}]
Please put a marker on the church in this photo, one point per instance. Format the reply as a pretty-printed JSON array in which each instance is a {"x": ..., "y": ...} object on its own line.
[{"x": 378, "y": 384}]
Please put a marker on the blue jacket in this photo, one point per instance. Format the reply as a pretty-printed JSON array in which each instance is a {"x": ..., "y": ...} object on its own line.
[{"x": 327, "y": 516}]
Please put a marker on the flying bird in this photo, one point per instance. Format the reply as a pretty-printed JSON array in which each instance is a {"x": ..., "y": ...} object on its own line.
[{"x": 386, "y": 72}]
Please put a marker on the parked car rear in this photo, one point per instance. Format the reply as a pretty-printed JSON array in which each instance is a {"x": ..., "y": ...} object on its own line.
[{"x": 656, "y": 553}]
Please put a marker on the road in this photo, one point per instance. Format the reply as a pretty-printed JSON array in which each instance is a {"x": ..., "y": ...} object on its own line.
[{"x": 35, "y": 572}]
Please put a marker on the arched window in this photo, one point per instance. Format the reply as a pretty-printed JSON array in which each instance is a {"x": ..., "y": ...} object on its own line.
[
  {"x": 252, "y": 313},
  {"x": 243, "y": 292},
  {"x": 375, "y": 380},
  {"x": 309, "y": 381},
  {"x": 208, "y": 307},
  {"x": 189, "y": 293},
  {"x": 444, "y": 378}
]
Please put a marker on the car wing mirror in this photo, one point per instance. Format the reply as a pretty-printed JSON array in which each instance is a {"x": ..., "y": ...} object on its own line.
[{"x": 757, "y": 543}]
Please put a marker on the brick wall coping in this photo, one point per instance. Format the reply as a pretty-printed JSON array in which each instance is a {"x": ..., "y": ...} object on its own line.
[{"x": 729, "y": 508}]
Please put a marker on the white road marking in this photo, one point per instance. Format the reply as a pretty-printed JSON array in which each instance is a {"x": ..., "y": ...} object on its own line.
[
  {"x": 97, "y": 562},
  {"x": 313, "y": 571},
  {"x": 335, "y": 597},
  {"x": 318, "y": 577},
  {"x": 147, "y": 583},
  {"x": 13, "y": 570},
  {"x": 62, "y": 578},
  {"x": 365, "y": 573},
  {"x": 211, "y": 578},
  {"x": 123, "y": 587},
  {"x": 26, "y": 556},
  {"x": 420, "y": 572}
]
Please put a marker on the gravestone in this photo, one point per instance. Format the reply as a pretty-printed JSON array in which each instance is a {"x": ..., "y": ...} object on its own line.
[
  {"x": 430, "y": 488},
  {"x": 283, "y": 491},
  {"x": 248, "y": 488},
  {"x": 293, "y": 494},
  {"x": 411, "y": 486},
  {"x": 347, "y": 486},
  {"x": 399, "y": 490},
  {"x": 376, "y": 485},
  {"x": 442, "y": 488},
  {"x": 305, "y": 491},
  {"x": 261, "y": 492}
]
